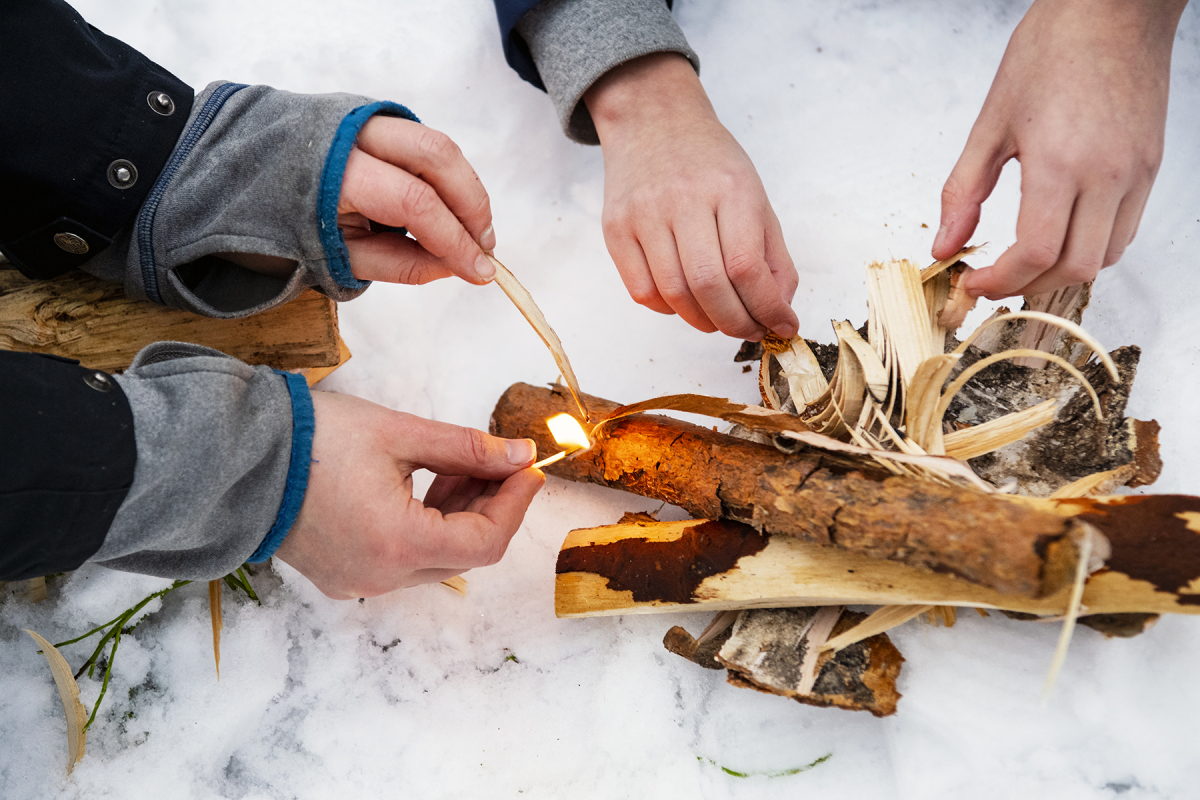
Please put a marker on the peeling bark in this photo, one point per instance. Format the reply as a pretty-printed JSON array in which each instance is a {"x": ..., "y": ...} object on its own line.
[{"x": 768, "y": 647}]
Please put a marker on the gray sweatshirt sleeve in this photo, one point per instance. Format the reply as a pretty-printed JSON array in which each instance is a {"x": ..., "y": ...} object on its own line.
[
  {"x": 223, "y": 453},
  {"x": 574, "y": 42},
  {"x": 257, "y": 170}
]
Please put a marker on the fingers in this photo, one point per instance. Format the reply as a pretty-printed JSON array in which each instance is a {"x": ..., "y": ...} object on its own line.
[
  {"x": 434, "y": 158},
  {"x": 394, "y": 258},
  {"x": 452, "y": 450},
  {"x": 453, "y": 493},
  {"x": 727, "y": 271},
  {"x": 633, "y": 268},
  {"x": 970, "y": 183},
  {"x": 478, "y": 537},
  {"x": 707, "y": 284},
  {"x": 388, "y": 194},
  {"x": 1042, "y": 223},
  {"x": 780, "y": 263},
  {"x": 662, "y": 256},
  {"x": 1086, "y": 245},
  {"x": 1129, "y": 215},
  {"x": 744, "y": 248}
]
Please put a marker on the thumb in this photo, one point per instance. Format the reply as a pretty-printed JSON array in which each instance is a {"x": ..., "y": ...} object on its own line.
[
  {"x": 969, "y": 184},
  {"x": 453, "y": 450}
]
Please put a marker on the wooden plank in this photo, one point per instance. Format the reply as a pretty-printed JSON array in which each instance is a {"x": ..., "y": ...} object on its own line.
[
  {"x": 627, "y": 569},
  {"x": 81, "y": 317}
]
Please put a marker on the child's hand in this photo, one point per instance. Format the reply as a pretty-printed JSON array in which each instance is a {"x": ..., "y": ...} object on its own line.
[
  {"x": 361, "y": 532},
  {"x": 686, "y": 218},
  {"x": 1080, "y": 100}
]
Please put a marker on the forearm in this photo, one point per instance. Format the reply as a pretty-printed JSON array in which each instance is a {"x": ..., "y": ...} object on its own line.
[
  {"x": 183, "y": 467},
  {"x": 576, "y": 43}
]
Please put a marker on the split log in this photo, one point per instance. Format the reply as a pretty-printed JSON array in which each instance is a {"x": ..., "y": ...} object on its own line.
[
  {"x": 766, "y": 649},
  {"x": 813, "y": 497},
  {"x": 81, "y": 317},
  {"x": 641, "y": 566}
]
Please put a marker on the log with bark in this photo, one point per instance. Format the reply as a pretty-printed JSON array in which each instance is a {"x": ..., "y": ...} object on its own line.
[
  {"x": 777, "y": 651},
  {"x": 814, "y": 497},
  {"x": 81, "y": 317},
  {"x": 797, "y": 522},
  {"x": 645, "y": 566}
]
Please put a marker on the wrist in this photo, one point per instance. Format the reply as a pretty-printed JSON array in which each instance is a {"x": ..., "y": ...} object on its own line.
[
  {"x": 1150, "y": 24},
  {"x": 656, "y": 89}
]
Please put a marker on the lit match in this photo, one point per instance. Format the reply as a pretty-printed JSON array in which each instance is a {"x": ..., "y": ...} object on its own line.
[{"x": 569, "y": 434}]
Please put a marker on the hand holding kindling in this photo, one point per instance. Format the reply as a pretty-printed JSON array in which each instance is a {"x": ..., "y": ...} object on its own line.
[
  {"x": 686, "y": 218},
  {"x": 1080, "y": 99},
  {"x": 404, "y": 174}
]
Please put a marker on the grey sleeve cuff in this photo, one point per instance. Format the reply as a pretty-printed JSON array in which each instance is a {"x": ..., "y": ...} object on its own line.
[
  {"x": 574, "y": 42},
  {"x": 215, "y": 463},
  {"x": 257, "y": 170}
]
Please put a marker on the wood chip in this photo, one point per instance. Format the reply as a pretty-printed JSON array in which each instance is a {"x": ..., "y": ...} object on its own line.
[{"x": 68, "y": 693}]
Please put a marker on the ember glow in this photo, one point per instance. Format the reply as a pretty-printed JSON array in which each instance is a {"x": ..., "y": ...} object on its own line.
[{"x": 569, "y": 434}]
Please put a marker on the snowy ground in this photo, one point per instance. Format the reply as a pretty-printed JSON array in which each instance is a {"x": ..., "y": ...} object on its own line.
[{"x": 854, "y": 114}]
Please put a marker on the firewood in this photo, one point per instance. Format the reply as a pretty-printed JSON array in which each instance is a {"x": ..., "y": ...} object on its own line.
[
  {"x": 770, "y": 650},
  {"x": 81, "y": 317},
  {"x": 814, "y": 497},
  {"x": 647, "y": 567}
]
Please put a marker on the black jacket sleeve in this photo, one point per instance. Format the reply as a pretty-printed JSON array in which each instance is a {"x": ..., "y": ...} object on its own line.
[
  {"x": 67, "y": 188},
  {"x": 67, "y": 448},
  {"x": 67, "y": 455},
  {"x": 516, "y": 51}
]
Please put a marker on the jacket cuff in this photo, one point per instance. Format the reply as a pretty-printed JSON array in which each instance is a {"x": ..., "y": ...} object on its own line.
[
  {"x": 303, "y": 428},
  {"x": 220, "y": 464},
  {"x": 332, "y": 241},
  {"x": 257, "y": 170},
  {"x": 575, "y": 42}
]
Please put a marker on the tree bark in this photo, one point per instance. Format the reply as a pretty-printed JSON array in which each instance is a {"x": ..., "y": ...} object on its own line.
[
  {"x": 985, "y": 539},
  {"x": 641, "y": 566}
]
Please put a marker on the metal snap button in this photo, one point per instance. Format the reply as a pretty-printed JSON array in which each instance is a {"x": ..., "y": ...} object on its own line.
[
  {"x": 122, "y": 174},
  {"x": 71, "y": 243},
  {"x": 161, "y": 103},
  {"x": 99, "y": 381}
]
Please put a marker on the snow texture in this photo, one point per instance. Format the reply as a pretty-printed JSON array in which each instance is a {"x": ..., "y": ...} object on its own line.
[{"x": 854, "y": 113}]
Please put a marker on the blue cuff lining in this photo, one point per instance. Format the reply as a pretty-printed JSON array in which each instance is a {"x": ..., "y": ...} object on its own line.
[
  {"x": 303, "y": 426},
  {"x": 332, "y": 242}
]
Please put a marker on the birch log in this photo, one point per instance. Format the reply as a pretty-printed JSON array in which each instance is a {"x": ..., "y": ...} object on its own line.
[
  {"x": 986, "y": 539},
  {"x": 641, "y": 566}
]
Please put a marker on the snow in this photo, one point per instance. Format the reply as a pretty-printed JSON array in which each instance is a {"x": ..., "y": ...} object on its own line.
[{"x": 854, "y": 113}]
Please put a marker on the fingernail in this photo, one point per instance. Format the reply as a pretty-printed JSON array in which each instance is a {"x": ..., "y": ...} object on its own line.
[
  {"x": 941, "y": 235},
  {"x": 484, "y": 268},
  {"x": 520, "y": 451},
  {"x": 787, "y": 330},
  {"x": 487, "y": 239}
]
